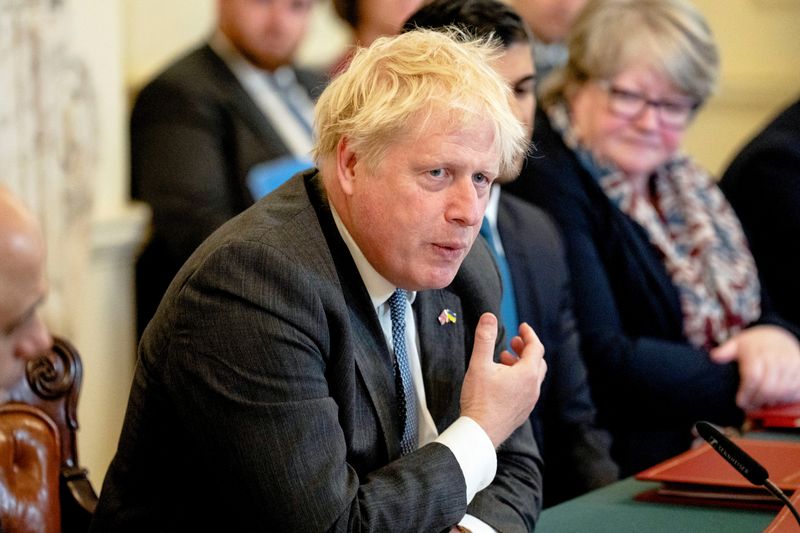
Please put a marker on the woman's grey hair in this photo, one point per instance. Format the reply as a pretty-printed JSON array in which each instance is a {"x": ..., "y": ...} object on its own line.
[{"x": 670, "y": 36}]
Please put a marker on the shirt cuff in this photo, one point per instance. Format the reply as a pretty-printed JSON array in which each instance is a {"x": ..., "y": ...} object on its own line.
[
  {"x": 474, "y": 452},
  {"x": 475, "y": 525}
]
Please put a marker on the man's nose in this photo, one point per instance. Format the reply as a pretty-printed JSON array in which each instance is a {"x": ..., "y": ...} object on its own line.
[{"x": 465, "y": 206}]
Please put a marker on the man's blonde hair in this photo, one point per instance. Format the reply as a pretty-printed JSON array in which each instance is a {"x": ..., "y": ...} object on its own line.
[{"x": 404, "y": 80}]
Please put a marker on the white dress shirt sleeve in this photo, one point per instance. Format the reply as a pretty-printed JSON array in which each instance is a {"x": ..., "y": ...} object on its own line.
[{"x": 474, "y": 452}]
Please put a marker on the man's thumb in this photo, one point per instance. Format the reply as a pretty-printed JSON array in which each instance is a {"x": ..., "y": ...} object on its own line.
[{"x": 485, "y": 336}]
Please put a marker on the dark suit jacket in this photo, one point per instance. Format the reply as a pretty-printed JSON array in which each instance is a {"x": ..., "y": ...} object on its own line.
[
  {"x": 649, "y": 383},
  {"x": 575, "y": 451},
  {"x": 763, "y": 185},
  {"x": 264, "y": 393},
  {"x": 195, "y": 135}
]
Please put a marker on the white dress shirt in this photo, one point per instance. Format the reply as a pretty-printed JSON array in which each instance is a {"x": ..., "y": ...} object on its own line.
[{"x": 492, "y": 207}]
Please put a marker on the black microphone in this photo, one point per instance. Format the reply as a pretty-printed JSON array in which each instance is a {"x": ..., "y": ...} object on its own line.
[{"x": 742, "y": 462}]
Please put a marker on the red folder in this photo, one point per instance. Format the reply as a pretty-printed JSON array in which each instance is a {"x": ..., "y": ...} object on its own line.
[
  {"x": 700, "y": 476},
  {"x": 784, "y": 416}
]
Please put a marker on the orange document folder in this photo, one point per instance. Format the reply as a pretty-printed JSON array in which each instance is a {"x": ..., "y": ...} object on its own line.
[
  {"x": 702, "y": 477},
  {"x": 784, "y": 416}
]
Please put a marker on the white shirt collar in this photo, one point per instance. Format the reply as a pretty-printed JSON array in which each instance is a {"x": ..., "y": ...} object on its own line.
[
  {"x": 493, "y": 206},
  {"x": 379, "y": 288},
  {"x": 230, "y": 55}
]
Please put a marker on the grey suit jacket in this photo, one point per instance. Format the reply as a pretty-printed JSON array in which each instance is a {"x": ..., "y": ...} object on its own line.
[
  {"x": 264, "y": 395},
  {"x": 195, "y": 136}
]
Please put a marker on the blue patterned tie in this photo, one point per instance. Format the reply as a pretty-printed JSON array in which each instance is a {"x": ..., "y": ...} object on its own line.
[
  {"x": 402, "y": 374},
  {"x": 508, "y": 306}
]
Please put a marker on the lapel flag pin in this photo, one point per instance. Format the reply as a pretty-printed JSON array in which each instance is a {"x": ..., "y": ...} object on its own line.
[{"x": 447, "y": 317}]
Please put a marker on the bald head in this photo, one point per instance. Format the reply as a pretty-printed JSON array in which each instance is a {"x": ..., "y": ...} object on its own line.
[
  {"x": 20, "y": 236},
  {"x": 23, "y": 335}
]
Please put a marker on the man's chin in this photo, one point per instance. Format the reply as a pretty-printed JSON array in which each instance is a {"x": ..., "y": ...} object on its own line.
[
  {"x": 267, "y": 62},
  {"x": 439, "y": 280}
]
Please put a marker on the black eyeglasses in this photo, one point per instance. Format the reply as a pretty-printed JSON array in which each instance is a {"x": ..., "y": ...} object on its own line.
[{"x": 629, "y": 104}]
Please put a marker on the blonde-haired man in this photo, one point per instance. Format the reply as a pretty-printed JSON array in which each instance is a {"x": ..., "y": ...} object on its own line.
[
  {"x": 23, "y": 334},
  {"x": 329, "y": 360}
]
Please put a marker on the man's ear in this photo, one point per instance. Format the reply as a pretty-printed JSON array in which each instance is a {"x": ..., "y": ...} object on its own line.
[{"x": 346, "y": 160}]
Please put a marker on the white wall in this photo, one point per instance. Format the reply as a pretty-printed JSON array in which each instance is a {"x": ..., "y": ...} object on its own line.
[
  {"x": 760, "y": 51},
  {"x": 105, "y": 331},
  {"x": 157, "y": 31}
]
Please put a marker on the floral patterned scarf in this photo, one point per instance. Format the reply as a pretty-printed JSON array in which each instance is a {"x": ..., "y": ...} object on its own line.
[{"x": 700, "y": 239}]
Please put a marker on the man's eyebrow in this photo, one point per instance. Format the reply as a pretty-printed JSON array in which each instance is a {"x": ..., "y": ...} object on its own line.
[
  {"x": 526, "y": 79},
  {"x": 24, "y": 317}
]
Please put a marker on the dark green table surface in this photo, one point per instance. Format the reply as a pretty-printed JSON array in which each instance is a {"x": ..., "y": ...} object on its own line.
[{"x": 613, "y": 509}]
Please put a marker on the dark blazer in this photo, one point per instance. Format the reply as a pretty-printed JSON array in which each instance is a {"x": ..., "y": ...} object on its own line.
[
  {"x": 195, "y": 135},
  {"x": 575, "y": 451},
  {"x": 264, "y": 393},
  {"x": 649, "y": 383},
  {"x": 763, "y": 185}
]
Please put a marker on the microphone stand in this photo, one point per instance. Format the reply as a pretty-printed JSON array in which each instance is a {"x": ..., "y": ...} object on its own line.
[
  {"x": 742, "y": 462},
  {"x": 778, "y": 493}
]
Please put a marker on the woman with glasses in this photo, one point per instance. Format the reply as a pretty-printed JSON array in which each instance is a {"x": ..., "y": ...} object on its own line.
[{"x": 675, "y": 325}]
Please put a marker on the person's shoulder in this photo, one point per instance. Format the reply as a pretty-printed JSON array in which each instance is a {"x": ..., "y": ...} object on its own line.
[
  {"x": 521, "y": 222},
  {"x": 282, "y": 219},
  {"x": 781, "y": 132},
  {"x": 550, "y": 167},
  {"x": 550, "y": 159},
  {"x": 520, "y": 208},
  {"x": 192, "y": 71},
  {"x": 777, "y": 145},
  {"x": 197, "y": 81},
  {"x": 787, "y": 120}
]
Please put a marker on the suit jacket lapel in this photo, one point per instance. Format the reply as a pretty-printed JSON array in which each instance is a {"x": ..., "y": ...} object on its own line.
[
  {"x": 239, "y": 100},
  {"x": 373, "y": 360},
  {"x": 376, "y": 368},
  {"x": 442, "y": 354}
]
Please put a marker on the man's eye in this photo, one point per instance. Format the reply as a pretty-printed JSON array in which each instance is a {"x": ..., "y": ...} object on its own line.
[
  {"x": 525, "y": 88},
  {"x": 437, "y": 172},
  {"x": 480, "y": 178}
]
